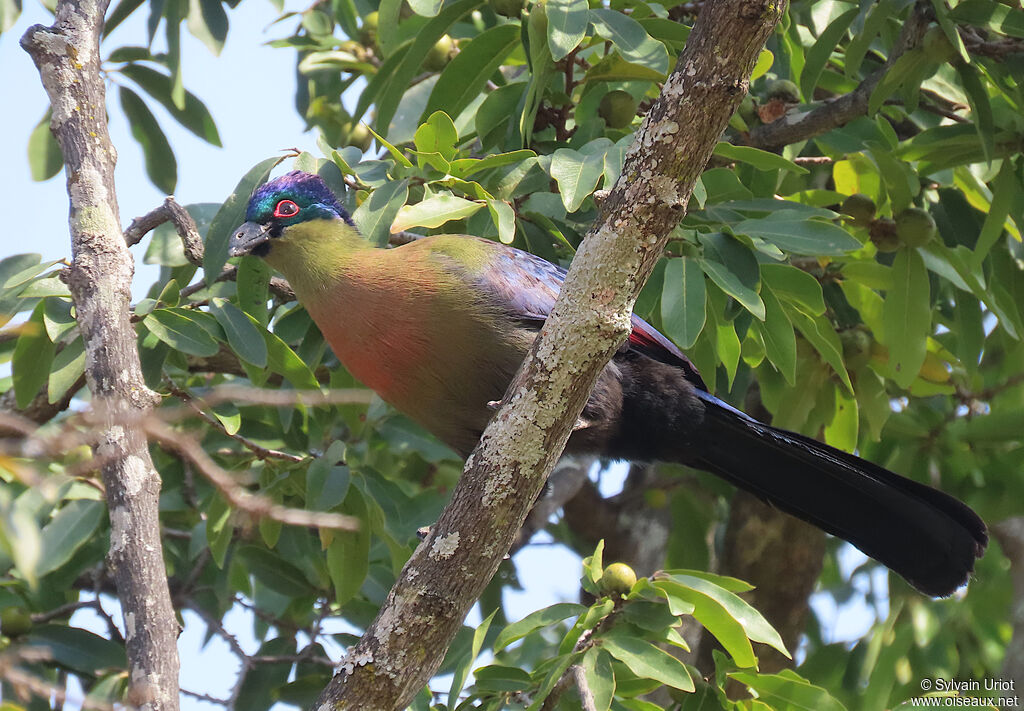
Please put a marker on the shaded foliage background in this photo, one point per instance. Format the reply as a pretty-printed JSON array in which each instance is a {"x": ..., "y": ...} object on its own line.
[{"x": 508, "y": 122}]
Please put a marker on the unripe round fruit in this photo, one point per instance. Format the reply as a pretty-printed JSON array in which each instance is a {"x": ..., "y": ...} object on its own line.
[
  {"x": 656, "y": 498},
  {"x": 783, "y": 89},
  {"x": 360, "y": 137},
  {"x": 748, "y": 110},
  {"x": 856, "y": 347},
  {"x": 937, "y": 46},
  {"x": 883, "y": 234},
  {"x": 438, "y": 55},
  {"x": 368, "y": 32},
  {"x": 507, "y": 8},
  {"x": 617, "y": 108},
  {"x": 15, "y": 621},
  {"x": 617, "y": 579},
  {"x": 915, "y": 227},
  {"x": 860, "y": 207}
]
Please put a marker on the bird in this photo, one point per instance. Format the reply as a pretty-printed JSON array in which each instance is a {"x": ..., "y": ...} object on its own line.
[{"x": 439, "y": 326}]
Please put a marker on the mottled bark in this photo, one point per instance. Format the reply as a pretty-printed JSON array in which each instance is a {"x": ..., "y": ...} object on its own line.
[
  {"x": 406, "y": 643},
  {"x": 67, "y": 56}
]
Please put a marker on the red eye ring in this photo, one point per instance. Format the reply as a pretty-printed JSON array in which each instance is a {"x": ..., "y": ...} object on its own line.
[{"x": 285, "y": 209}]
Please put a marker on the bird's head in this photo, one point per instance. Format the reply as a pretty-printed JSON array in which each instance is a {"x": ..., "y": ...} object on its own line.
[{"x": 287, "y": 210}]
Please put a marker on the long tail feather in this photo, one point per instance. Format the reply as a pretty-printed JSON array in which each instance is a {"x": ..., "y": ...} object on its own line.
[{"x": 928, "y": 537}]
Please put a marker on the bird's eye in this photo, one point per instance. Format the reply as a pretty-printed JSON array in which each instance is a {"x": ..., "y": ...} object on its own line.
[{"x": 286, "y": 208}]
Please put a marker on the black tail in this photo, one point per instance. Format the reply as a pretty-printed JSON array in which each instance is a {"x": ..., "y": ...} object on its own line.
[{"x": 928, "y": 537}]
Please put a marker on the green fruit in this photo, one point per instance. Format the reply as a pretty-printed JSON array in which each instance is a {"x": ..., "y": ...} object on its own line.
[
  {"x": 507, "y": 8},
  {"x": 856, "y": 347},
  {"x": 438, "y": 55},
  {"x": 748, "y": 109},
  {"x": 617, "y": 108},
  {"x": 937, "y": 46},
  {"x": 15, "y": 621},
  {"x": 360, "y": 137},
  {"x": 368, "y": 32},
  {"x": 784, "y": 90},
  {"x": 883, "y": 234},
  {"x": 915, "y": 227},
  {"x": 860, "y": 207},
  {"x": 617, "y": 579}
]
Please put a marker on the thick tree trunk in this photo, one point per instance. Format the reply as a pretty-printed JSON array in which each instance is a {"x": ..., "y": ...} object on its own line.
[
  {"x": 67, "y": 56},
  {"x": 447, "y": 573}
]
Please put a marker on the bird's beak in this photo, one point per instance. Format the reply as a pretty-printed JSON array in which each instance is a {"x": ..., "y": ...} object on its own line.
[{"x": 246, "y": 237}]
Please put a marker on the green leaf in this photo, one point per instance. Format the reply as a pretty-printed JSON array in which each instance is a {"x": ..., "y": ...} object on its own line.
[
  {"x": 683, "y": 299},
  {"x": 426, "y": 8},
  {"x": 229, "y": 216},
  {"x": 741, "y": 278},
  {"x": 841, "y": 431},
  {"x": 907, "y": 317},
  {"x": 535, "y": 620},
  {"x": 567, "y": 25},
  {"x": 462, "y": 670},
  {"x": 631, "y": 39},
  {"x": 72, "y": 527},
  {"x": 762, "y": 160},
  {"x": 378, "y": 212},
  {"x": 193, "y": 114},
  {"x": 726, "y": 615},
  {"x": 44, "y": 156},
  {"x": 328, "y": 479},
  {"x": 597, "y": 667},
  {"x": 244, "y": 337},
  {"x": 68, "y": 366},
  {"x": 76, "y": 648},
  {"x": 995, "y": 16},
  {"x": 647, "y": 661},
  {"x": 253, "y": 287},
  {"x": 178, "y": 329},
  {"x": 1004, "y": 188},
  {"x": 497, "y": 677},
  {"x": 809, "y": 237},
  {"x": 434, "y": 212},
  {"x": 614, "y": 68},
  {"x": 437, "y": 135},
  {"x": 9, "y": 12},
  {"x": 348, "y": 552},
  {"x": 504, "y": 217},
  {"x": 261, "y": 683},
  {"x": 823, "y": 337},
  {"x": 465, "y": 167},
  {"x": 818, "y": 55},
  {"x": 981, "y": 106},
  {"x": 795, "y": 286},
  {"x": 208, "y": 22},
  {"x": 787, "y": 691},
  {"x": 779, "y": 337},
  {"x": 274, "y": 572},
  {"x": 466, "y": 75},
  {"x": 577, "y": 175},
  {"x": 161, "y": 167},
  {"x": 33, "y": 355},
  {"x": 281, "y": 359}
]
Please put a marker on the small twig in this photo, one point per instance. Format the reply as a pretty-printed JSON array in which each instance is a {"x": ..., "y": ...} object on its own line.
[
  {"x": 253, "y": 504},
  {"x": 170, "y": 211},
  {"x": 26, "y": 684},
  {"x": 285, "y": 398},
  {"x": 291, "y": 659},
  {"x": 214, "y": 623},
  {"x": 813, "y": 160},
  {"x": 261, "y": 453},
  {"x": 278, "y": 287},
  {"x": 39, "y": 618},
  {"x": 205, "y": 697}
]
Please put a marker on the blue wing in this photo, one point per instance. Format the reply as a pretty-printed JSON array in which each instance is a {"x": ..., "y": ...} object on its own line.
[{"x": 527, "y": 286}]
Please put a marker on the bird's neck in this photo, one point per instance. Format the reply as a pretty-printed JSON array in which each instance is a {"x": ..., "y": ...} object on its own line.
[{"x": 316, "y": 254}]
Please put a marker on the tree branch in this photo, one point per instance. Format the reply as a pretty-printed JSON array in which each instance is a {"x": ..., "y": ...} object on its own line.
[
  {"x": 67, "y": 57},
  {"x": 184, "y": 224},
  {"x": 446, "y": 574},
  {"x": 839, "y": 111}
]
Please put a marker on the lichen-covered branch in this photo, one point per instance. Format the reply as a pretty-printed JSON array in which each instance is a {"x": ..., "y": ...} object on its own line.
[
  {"x": 406, "y": 643},
  {"x": 67, "y": 56}
]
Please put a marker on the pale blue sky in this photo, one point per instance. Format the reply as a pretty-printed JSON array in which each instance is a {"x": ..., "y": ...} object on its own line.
[{"x": 250, "y": 91}]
